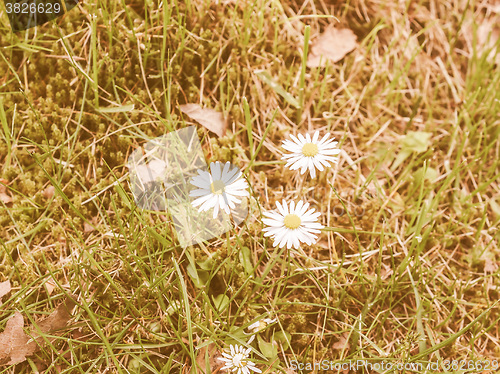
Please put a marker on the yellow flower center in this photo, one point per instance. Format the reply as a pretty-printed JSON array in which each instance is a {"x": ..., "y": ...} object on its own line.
[
  {"x": 292, "y": 221},
  {"x": 310, "y": 150},
  {"x": 217, "y": 187},
  {"x": 239, "y": 360}
]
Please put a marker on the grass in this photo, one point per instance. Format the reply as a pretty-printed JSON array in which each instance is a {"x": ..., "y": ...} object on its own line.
[{"x": 406, "y": 269}]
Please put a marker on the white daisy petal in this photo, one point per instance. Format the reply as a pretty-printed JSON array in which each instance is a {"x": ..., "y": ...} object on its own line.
[
  {"x": 280, "y": 243},
  {"x": 292, "y": 147},
  {"x": 274, "y": 215},
  {"x": 331, "y": 143},
  {"x": 201, "y": 200},
  {"x": 315, "y": 138},
  {"x": 253, "y": 368},
  {"x": 231, "y": 175},
  {"x": 299, "y": 206},
  {"x": 312, "y": 171},
  {"x": 297, "y": 141},
  {"x": 271, "y": 222},
  {"x": 292, "y": 158},
  {"x": 331, "y": 152},
  {"x": 324, "y": 138},
  {"x": 199, "y": 192},
  {"x": 272, "y": 231},
  {"x": 281, "y": 236},
  {"x": 281, "y": 208},
  {"x": 204, "y": 176},
  {"x": 198, "y": 182},
  {"x": 324, "y": 162},
  {"x": 310, "y": 214},
  {"x": 310, "y": 218},
  {"x": 318, "y": 165},
  {"x": 215, "y": 170},
  {"x": 303, "y": 209},
  {"x": 285, "y": 206},
  {"x": 209, "y": 203}
]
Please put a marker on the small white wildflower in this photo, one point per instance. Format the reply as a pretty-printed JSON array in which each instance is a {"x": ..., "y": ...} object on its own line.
[
  {"x": 292, "y": 226},
  {"x": 219, "y": 188},
  {"x": 261, "y": 325},
  {"x": 310, "y": 153},
  {"x": 237, "y": 360}
]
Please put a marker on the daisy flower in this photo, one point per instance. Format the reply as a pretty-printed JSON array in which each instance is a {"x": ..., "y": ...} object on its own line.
[
  {"x": 292, "y": 225},
  {"x": 310, "y": 153},
  {"x": 218, "y": 189},
  {"x": 237, "y": 360},
  {"x": 261, "y": 325}
]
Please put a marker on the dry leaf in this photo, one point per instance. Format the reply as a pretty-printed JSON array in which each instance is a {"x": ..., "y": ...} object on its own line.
[
  {"x": 3, "y": 183},
  {"x": 4, "y": 197},
  {"x": 214, "y": 363},
  {"x": 208, "y": 118},
  {"x": 5, "y": 288},
  {"x": 13, "y": 341},
  {"x": 58, "y": 318},
  {"x": 488, "y": 34},
  {"x": 156, "y": 169},
  {"x": 343, "y": 342},
  {"x": 50, "y": 286},
  {"x": 495, "y": 7},
  {"x": 87, "y": 227},
  {"x": 490, "y": 266},
  {"x": 16, "y": 345},
  {"x": 385, "y": 272},
  {"x": 332, "y": 45},
  {"x": 48, "y": 192}
]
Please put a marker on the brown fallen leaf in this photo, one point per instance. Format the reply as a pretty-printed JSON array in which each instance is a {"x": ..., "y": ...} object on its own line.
[
  {"x": 13, "y": 342},
  {"x": 494, "y": 7},
  {"x": 5, "y": 288},
  {"x": 150, "y": 172},
  {"x": 490, "y": 266},
  {"x": 16, "y": 345},
  {"x": 332, "y": 46},
  {"x": 3, "y": 184},
  {"x": 208, "y": 118},
  {"x": 213, "y": 354},
  {"x": 488, "y": 34},
  {"x": 87, "y": 227},
  {"x": 50, "y": 287},
  {"x": 343, "y": 342},
  {"x": 58, "y": 318},
  {"x": 48, "y": 192},
  {"x": 4, "y": 197}
]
